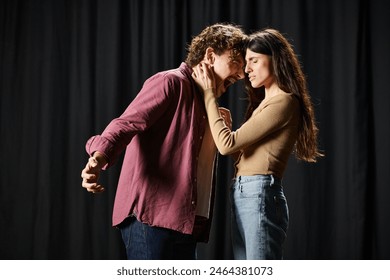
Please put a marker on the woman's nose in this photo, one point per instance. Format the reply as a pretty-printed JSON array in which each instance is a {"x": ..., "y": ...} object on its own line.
[{"x": 246, "y": 68}]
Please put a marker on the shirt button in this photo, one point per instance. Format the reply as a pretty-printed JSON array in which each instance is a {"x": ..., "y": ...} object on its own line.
[
  {"x": 193, "y": 202},
  {"x": 204, "y": 117},
  {"x": 201, "y": 137}
]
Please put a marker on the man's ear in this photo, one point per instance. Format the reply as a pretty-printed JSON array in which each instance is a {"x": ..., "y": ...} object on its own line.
[{"x": 209, "y": 56}]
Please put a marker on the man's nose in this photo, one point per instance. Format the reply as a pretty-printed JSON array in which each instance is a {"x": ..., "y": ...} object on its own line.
[{"x": 240, "y": 73}]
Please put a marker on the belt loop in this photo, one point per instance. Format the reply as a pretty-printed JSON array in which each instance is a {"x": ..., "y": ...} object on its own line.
[
  {"x": 272, "y": 179},
  {"x": 239, "y": 183}
]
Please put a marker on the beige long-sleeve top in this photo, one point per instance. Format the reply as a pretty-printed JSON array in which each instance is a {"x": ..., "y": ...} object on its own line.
[{"x": 265, "y": 140}]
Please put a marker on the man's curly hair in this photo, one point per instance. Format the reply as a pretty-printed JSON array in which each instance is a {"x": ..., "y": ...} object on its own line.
[{"x": 220, "y": 37}]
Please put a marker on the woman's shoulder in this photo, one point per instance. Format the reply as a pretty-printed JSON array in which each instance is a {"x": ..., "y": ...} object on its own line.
[{"x": 282, "y": 99}]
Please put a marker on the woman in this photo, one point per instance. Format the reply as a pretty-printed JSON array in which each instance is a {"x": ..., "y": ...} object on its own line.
[{"x": 280, "y": 120}]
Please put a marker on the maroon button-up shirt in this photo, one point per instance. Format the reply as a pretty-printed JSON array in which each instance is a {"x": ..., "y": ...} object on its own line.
[{"x": 162, "y": 131}]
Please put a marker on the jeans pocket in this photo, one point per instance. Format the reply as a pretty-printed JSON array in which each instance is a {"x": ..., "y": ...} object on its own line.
[{"x": 280, "y": 211}]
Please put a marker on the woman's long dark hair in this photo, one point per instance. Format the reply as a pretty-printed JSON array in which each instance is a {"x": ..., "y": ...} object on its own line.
[{"x": 290, "y": 78}]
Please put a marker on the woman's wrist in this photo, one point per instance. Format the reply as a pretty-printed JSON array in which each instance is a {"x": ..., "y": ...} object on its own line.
[{"x": 209, "y": 91}]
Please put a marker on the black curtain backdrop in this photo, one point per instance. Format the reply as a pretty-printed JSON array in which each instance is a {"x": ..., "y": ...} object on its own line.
[{"x": 68, "y": 67}]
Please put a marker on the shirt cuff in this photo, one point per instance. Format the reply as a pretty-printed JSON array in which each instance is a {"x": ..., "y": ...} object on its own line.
[{"x": 102, "y": 145}]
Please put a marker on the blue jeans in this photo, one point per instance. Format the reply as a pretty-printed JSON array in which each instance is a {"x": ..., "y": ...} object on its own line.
[
  {"x": 144, "y": 242},
  {"x": 259, "y": 217}
]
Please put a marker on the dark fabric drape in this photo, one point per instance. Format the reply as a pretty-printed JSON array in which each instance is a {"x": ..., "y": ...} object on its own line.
[{"x": 68, "y": 67}]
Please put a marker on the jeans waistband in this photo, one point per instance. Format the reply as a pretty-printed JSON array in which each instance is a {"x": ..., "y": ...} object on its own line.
[{"x": 273, "y": 180}]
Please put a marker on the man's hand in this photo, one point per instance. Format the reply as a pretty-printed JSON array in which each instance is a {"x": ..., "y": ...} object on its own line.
[{"x": 91, "y": 172}]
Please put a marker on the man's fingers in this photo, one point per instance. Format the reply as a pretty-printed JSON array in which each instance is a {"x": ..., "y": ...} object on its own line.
[
  {"x": 90, "y": 175},
  {"x": 92, "y": 187},
  {"x": 88, "y": 184},
  {"x": 92, "y": 162},
  {"x": 91, "y": 169},
  {"x": 96, "y": 189}
]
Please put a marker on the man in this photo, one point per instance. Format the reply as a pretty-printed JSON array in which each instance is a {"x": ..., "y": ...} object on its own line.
[{"x": 165, "y": 190}]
